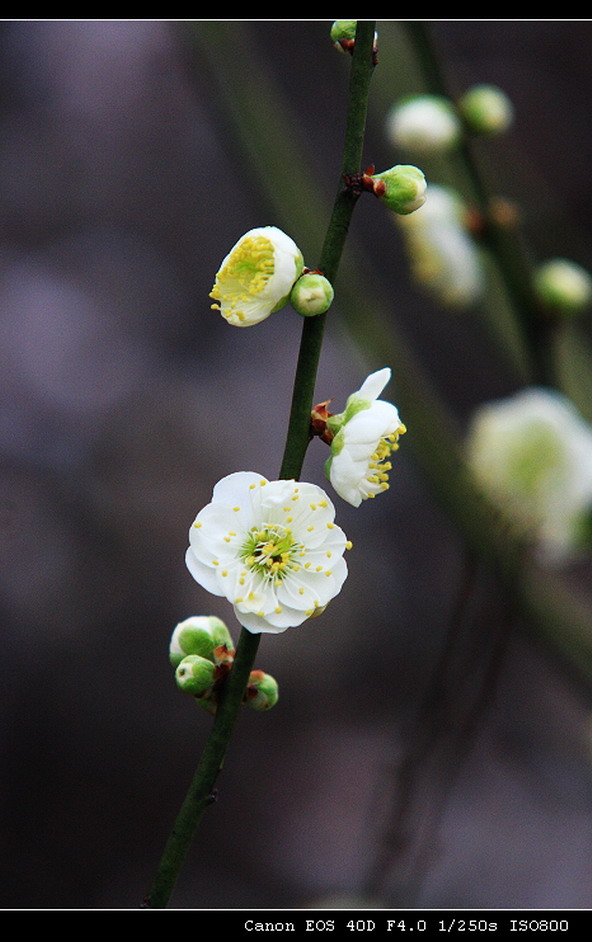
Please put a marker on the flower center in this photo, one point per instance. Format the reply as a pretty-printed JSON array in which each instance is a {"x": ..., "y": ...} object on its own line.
[
  {"x": 244, "y": 275},
  {"x": 270, "y": 551}
]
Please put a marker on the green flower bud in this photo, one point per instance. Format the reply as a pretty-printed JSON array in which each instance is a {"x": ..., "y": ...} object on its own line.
[
  {"x": 312, "y": 294},
  {"x": 563, "y": 286},
  {"x": 262, "y": 691},
  {"x": 402, "y": 188},
  {"x": 343, "y": 31},
  {"x": 486, "y": 109},
  {"x": 195, "y": 675},
  {"x": 343, "y": 36},
  {"x": 199, "y": 634}
]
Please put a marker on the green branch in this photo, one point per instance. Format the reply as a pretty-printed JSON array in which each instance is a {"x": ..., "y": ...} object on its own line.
[{"x": 201, "y": 791}]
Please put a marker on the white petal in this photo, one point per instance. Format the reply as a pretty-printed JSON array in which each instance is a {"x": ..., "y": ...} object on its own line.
[
  {"x": 205, "y": 575},
  {"x": 373, "y": 385}
]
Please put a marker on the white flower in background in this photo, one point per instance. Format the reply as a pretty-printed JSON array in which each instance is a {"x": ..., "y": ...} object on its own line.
[
  {"x": 364, "y": 436},
  {"x": 443, "y": 256},
  {"x": 256, "y": 277},
  {"x": 424, "y": 124},
  {"x": 271, "y": 548},
  {"x": 532, "y": 456}
]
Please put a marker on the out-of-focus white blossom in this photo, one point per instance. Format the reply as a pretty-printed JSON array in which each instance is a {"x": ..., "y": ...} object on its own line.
[
  {"x": 424, "y": 124},
  {"x": 532, "y": 456},
  {"x": 443, "y": 256}
]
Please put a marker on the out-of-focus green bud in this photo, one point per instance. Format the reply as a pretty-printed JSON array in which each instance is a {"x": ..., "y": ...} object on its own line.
[
  {"x": 312, "y": 294},
  {"x": 402, "y": 188},
  {"x": 563, "y": 286},
  {"x": 486, "y": 109},
  {"x": 262, "y": 691},
  {"x": 195, "y": 675},
  {"x": 424, "y": 124},
  {"x": 199, "y": 634}
]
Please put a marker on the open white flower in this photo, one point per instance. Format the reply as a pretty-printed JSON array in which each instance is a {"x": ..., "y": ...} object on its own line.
[
  {"x": 532, "y": 455},
  {"x": 271, "y": 548},
  {"x": 364, "y": 437},
  {"x": 256, "y": 277}
]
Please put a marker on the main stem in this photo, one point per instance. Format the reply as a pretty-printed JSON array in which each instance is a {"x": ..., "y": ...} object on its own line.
[{"x": 201, "y": 790}]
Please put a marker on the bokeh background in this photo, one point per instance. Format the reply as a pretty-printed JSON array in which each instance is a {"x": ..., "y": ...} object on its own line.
[{"x": 124, "y": 399}]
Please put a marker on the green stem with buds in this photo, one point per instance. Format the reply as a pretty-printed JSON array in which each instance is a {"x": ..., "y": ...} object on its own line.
[{"x": 201, "y": 791}]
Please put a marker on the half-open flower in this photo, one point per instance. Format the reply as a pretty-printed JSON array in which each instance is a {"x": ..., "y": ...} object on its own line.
[
  {"x": 256, "y": 277},
  {"x": 271, "y": 548},
  {"x": 364, "y": 437}
]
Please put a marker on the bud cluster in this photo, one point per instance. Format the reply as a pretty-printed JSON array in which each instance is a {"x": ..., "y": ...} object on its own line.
[{"x": 202, "y": 652}]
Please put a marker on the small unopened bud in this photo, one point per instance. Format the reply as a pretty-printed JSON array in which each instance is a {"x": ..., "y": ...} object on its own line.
[
  {"x": 262, "y": 691},
  {"x": 343, "y": 36},
  {"x": 343, "y": 33},
  {"x": 402, "y": 188},
  {"x": 424, "y": 124},
  {"x": 195, "y": 675},
  {"x": 563, "y": 286},
  {"x": 199, "y": 634},
  {"x": 312, "y": 294},
  {"x": 486, "y": 109}
]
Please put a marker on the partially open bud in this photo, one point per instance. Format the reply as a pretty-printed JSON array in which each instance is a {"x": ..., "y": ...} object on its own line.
[
  {"x": 563, "y": 286},
  {"x": 424, "y": 124},
  {"x": 312, "y": 294},
  {"x": 262, "y": 691},
  {"x": 486, "y": 109},
  {"x": 402, "y": 188},
  {"x": 195, "y": 675},
  {"x": 199, "y": 634}
]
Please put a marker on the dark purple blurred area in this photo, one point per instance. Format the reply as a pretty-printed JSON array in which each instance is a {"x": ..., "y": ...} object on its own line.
[{"x": 125, "y": 398}]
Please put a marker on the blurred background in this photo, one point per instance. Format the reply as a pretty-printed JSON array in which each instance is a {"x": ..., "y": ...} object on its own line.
[{"x": 124, "y": 182}]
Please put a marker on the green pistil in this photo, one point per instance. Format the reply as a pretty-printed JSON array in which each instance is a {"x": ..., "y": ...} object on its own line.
[{"x": 270, "y": 551}]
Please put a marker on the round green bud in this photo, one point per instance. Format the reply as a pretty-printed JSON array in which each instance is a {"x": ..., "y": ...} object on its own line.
[
  {"x": 343, "y": 31},
  {"x": 199, "y": 634},
  {"x": 312, "y": 294},
  {"x": 195, "y": 674},
  {"x": 402, "y": 188},
  {"x": 343, "y": 34},
  {"x": 486, "y": 109},
  {"x": 563, "y": 286},
  {"x": 262, "y": 691}
]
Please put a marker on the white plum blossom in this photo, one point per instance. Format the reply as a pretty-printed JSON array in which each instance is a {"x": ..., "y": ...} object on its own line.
[
  {"x": 256, "y": 277},
  {"x": 532, "y": 456},
  {"x": 364, "y": 436},
  {"x": 271, "y": 548}
]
